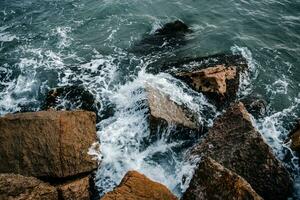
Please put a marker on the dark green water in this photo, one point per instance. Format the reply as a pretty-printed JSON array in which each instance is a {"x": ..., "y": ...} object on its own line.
[{"x": 48, "y": 43}]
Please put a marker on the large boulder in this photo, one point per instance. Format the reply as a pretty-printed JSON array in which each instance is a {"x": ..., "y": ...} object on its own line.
[
  {"x": 237, "y": 145},
  {"x": 162, "y": 107},
  {"x": 216, "y": 76},
  {"x": 47, "y": 144},
  {"x": 137, "y": 186},
  {"x": 18, "y": 187},
  {"x": 213, "y": 181},
  {"x": 212, "y": 79},
  {"x": 78, "y": 189}
]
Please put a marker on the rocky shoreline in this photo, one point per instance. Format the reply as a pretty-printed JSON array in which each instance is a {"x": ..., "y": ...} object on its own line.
[{"x": 47, "y": 154}]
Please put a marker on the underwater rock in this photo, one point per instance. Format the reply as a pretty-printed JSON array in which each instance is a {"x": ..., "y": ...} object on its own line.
[
  {"x": 255, "y": 105},
  {"x": 14, "y": 186},
  {"x": 75, "y": 190},
  {"x": 217, "y": 76},
  {"x": 237, "y": 145},
  {"x": 47, "y": 144},
  {"x": 213, "y": 181},
  {"x": 173, "y": 28},
  {"x": 162, "y": 107},
  {"x": 137, "y": 186},
  {"x": 295, "y": 138},
  {"x": 71, "y": 97},
  {"x": 169, "y": 36}
]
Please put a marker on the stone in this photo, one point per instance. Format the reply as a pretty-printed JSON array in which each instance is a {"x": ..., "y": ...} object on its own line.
[
  {"x": 18, "y": 187},
  {"x": 136, "y": 186},
  {"x": 211, "y": 79},
  {"x": 71, "y": 97},
  {"x": 213, "y": 181},
  {"x": 255, "y": 105},
  {"x": 170, "y": 36},
  {"x": 75, "y": 190},
  {"x": 162, "y": 107},
  {"x": 295, "y": 138},
  {"x": 171, "y": 28},
  {"x": 47, "y": 144},
  {"x": 237, "y": 145},
  {"x": 215, "y": 76}
]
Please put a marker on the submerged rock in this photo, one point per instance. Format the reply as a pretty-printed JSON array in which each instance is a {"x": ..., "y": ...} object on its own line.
[
  {"x": 137, "y": 186},
  {"x": 75, "y": 190},
  {"x": 162, "y": 107},
  {"x": 217, "y": 76},
  {"x": 19, "y": 187},
  {"x": 47, "y": 144},
  {"x": 255, "y": 105},
  {"x": 213, "y": 181},
  {"x": 173, "y": 28},
  {"x": 169, "y": 36},
  {"x": 71, "y": 97},
  {"x": 237, "y": 145}
]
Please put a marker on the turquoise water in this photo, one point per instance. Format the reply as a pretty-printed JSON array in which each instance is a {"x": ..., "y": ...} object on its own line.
[{"x": 48, "y": 43}]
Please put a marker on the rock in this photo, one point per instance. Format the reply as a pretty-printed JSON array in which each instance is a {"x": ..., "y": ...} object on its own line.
[
  {"x": 237, "y": 145},
  {"x": 47, "y": 144},
  {"x": 173, "y": 28},
  {"x": 213, "y": 181},
  {"x": 295, "y": 138},
  {"x": 255, "y": 105},
  {"x": 211, "y": 79},
  {"x": 162, "y": 107},
  {"x": 137, "y": 186},
  {"x": 166, "y": 38},
  {"x": 75, "y": 190},
  {"x": 71, "y": 97},
  {"x": 216, "y": 76},
  {"x": 18, "y": 187}
]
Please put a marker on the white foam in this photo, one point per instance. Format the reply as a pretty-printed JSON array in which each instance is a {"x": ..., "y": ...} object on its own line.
[{"x": 122, "y": 135}]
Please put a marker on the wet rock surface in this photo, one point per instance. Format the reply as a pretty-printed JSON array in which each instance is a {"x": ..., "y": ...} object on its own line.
[
  {"x": 18, "y": 187},
  {"x": 47, "y": 144},
  {"x": 235, "y": 143},
  {"x": 75, "y": 190},
  {"x": 71, "y": 97},
  {"x": 136, "y": 186},
  {"x": 162, "y": 107},
  {"x": 213, "y": 181},
  {"x": 255, "y": 105},
  {"x": 216, "y": 76}
]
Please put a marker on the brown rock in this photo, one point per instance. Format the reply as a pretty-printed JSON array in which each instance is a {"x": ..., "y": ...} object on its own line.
[
  {"x": 236, "y": 144},
  {"x": 162, "y": 107},
  {"x": 18, "y": 187},
  {"x": 47, "y": 144},
  {"x": 211, "y": 79},
  {"x": 295, "y": 138},
  {"x": 212, "y": 181},
  {"x": 75, "y": 190},
  {"x": 136, "y": 186}
]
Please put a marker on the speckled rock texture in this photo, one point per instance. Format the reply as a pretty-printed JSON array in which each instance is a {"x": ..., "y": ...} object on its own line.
[
  {"x": 47, "y": 144},
  {"x": 212, "y": 181},
  {"x": 295, "y": 138},
  {"x": 237, "y": 145},
  {"x": 18, "y": 187},
  {"x": 136, "y": 186},
  {"x": 75, "y": 190}
]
